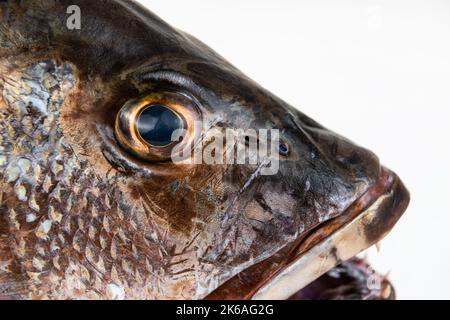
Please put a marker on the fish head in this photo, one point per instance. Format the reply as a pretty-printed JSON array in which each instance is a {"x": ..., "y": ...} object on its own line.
[{"x": 94, "y": 204}]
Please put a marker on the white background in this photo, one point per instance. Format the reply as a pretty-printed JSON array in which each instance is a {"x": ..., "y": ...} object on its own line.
[{"x": 377, "y": 72}]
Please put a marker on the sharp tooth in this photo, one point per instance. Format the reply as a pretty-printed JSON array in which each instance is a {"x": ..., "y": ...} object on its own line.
[
  {"x": 387, "y": 290},
  {"x": 378, "y": 246}
]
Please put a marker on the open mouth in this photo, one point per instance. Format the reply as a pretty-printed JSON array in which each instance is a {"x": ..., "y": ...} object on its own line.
[{"x": 304, "y": 269}]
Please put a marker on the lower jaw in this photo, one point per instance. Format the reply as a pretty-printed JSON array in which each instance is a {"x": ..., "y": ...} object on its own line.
[
  {"x": 351, "y": 280},
  {"x": 365, "y": 223}
]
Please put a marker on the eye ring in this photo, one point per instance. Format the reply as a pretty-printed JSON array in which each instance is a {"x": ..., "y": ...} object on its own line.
[{"x": 181, "y": 110}]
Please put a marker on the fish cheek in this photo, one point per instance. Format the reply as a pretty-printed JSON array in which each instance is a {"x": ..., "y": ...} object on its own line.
[
  {"x": 88, "y": 116},
  {"x": 185, "y": 201},
  {"x": 174, "y": 206}
]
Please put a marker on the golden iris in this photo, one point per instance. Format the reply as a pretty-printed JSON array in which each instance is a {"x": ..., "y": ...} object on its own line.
[{"x": 150, "y": 126}]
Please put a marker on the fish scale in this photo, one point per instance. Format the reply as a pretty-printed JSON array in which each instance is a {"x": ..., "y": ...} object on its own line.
[{"x": 55, "y": 227}]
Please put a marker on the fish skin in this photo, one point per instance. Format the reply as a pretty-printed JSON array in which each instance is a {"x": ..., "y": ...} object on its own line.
[{"x": 82, "y": 219}]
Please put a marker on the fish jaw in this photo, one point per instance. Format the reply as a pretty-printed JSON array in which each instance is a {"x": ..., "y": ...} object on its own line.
[
  {"x": 365, "y": 222},
  {"x": 354, "y": 279}
]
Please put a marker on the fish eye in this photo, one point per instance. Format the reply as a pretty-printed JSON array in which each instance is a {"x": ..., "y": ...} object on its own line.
[
  {"x": 150, "y": 126},
  {"x": 157, "y": 123}
]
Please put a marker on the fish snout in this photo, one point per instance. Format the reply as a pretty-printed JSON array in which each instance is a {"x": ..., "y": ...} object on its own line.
[
  {"x": 330, "y": 200},
  {"x": 326, "y": 171}
]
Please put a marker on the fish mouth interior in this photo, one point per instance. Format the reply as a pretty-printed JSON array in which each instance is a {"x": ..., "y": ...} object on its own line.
[{"x": 329, "y": 244}]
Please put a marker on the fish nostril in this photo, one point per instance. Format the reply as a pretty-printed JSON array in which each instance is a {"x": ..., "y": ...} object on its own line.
[
  {"x": 247, "y": 141},
  {"x": 283, "y": 148}
]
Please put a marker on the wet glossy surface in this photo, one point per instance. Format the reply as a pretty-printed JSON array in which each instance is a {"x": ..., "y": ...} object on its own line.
[{"x": 157, "y": 123}]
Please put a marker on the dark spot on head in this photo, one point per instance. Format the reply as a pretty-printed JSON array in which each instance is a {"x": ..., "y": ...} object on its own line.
[{"x": 283, "y": 148}]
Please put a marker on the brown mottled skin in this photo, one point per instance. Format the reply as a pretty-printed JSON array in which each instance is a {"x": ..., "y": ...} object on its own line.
[{"x": 80, "y": 218}]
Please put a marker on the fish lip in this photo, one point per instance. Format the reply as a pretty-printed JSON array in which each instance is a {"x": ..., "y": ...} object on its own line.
[{"x": 372, "y": 216}]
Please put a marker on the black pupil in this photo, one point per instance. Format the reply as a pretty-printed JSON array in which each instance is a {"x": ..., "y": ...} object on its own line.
[{"x": 156, "y": 125}]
